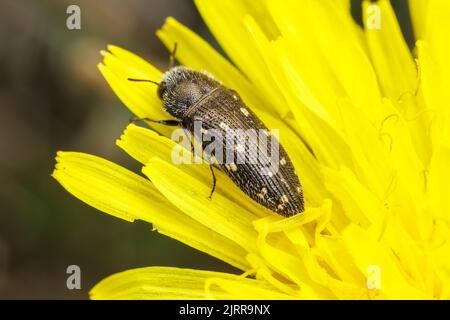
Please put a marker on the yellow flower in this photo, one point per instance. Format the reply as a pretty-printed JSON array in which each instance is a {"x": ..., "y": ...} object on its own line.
[{"x": 367, "y": 128}]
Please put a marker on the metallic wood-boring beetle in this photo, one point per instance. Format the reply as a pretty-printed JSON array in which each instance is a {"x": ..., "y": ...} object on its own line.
[{"x": 192, "y": 96}]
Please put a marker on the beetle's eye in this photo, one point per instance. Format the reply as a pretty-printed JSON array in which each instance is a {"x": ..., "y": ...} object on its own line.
[{"x": 161, "y": 89}]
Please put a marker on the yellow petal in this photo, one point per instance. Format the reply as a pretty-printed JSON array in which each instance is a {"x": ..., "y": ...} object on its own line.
[
  {"x": 121, "y": 193},
  {"x": 294, "y": 20},
  {"x": 291, "y": 267},
  {"x": 367, "y": 253},
  {"x": 439, "y": 182},
  {"x": 190, "y": 195},
  {"x": 435, "y": 66},
  {"x": 143, "y": 144},
  {"x": 140, "y": 97},
  {"x": 396, "y": 75},
  {"x": 360, "y": 204},
  {"x": 339, "y": 259},
  {"x": 437, "y": 29},
  {"x": 196, "y": 53},
  {"x": 418, "y": 9},
  {"x": 245, "y": 289},
  {"x": 176, "y": 283},
  {"x": 435, "y": 93},
  {"x": 346, "y": 56},
  {"x": 225, "y": 21}
]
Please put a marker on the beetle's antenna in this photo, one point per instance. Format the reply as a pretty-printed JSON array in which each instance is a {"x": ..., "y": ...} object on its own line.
[
  {"x": 143, "y": 80},
  {"x": 172, "y": 56}
]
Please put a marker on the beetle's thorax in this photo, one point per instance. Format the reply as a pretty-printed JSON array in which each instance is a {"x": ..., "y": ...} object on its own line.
[{"x": 181, "y": 88}]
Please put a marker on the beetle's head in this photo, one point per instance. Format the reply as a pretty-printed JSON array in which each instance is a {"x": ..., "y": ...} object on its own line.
[{"x": 181, "y": 87}]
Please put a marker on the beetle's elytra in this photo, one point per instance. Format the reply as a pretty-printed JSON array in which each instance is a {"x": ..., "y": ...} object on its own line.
[
  {"x": 196, "y": 97},
  {"x": 191, "y": 96}
]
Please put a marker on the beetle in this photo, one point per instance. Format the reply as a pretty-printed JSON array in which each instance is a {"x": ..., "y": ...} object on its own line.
[{"x": 196, "y": 96}]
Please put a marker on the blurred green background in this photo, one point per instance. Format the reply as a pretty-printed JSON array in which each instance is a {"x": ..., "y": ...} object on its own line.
[{"x": 52, "y": 97}]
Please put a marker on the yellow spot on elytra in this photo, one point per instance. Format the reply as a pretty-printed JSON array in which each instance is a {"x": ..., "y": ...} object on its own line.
[
  {"x": 240, "y": 148},
  {"x": 231, "y": 166},
  {"x": 283, "y": 161},
  {"x": 245, "y": 112},
  {"x": 269, "y": 174},
  {"x": 284, "y": 199},
  {"x": 224, "y": 126}
]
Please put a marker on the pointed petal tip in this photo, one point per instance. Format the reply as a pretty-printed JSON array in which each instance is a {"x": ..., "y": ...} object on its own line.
[
  {"x": 104, "y": 53},
  {"x": 125, "y": 133},
  {"x": 111, "y": 47},
  {"x": 170, "y": 20},
  {"x": 59, "y": 156},
  {"x": 54, "y": 174}
]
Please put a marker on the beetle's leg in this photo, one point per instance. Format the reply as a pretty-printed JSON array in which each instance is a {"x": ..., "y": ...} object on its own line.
[
  {"x": 171, "y": 123},
  {"x": 188, "y": 136},
  {"x": 172, "y": 56},
  {"x": 214, "y": 181}
]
